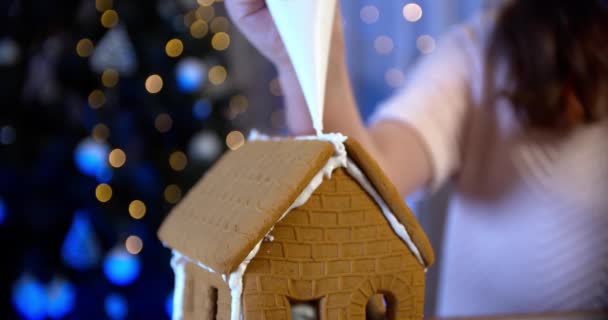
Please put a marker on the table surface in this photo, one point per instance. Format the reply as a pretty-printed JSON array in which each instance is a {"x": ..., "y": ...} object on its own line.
[{"x": 599, "y": 315}]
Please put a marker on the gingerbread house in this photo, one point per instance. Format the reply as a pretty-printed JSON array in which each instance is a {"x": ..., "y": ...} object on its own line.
[{"x": 278, "y": 223}]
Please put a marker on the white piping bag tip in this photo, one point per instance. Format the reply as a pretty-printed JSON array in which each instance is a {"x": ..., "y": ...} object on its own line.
[{"x": 306, "y": 28}]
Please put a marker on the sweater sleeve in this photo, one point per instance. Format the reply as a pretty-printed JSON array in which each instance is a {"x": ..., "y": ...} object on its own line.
[{"x": 434, "y": 102}]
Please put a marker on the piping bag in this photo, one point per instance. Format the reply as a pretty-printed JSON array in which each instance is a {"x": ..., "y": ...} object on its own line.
[{"x": 306, "y": 27}]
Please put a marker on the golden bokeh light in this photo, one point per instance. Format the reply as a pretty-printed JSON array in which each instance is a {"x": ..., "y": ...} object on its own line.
[
  {"x": 163, "y": 123},
  {"x": 103, "y": 192},
  {"x": 189, "y": 18},
  {"x": 426, "y": 44},
  {"x": 178, "y": 161},
  {"x": 205, "y": 13},
  {"x": 154, "y": 83},
  {"x": 412, "y": 12},
  {"x": 133, "y": 244},
  {"x": 275, "y": 87},
  {"x": 137, "y": 209},
  {"x": 109, "y": 18},
  {"x": 103, "y": 5},
  {"x": 239, "y": 103},
  {"x": 173, "y": 193},
  {"x": 84, "y": 47},
  {"x": 109, "y": 78},
  {"x": 174, "y": 48},
  {"x": 205, "y": 2},
  {"x": 383, "y": 45},
  {"x": 217, "y": 75},
  {"x": 96, "y": 99},
  {"x": 235, "y": 139},
  {"x": 117, "y": 158},
  {"x": 220, "y": 24},
  {"x": 369, "y": 14},
  {"x": 220, "y": 41},
  {"x": 100, "y": 132},
  {"x": 199, "y": 29}
]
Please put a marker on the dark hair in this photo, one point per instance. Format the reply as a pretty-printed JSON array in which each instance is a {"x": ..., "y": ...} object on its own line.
[{"x": 556, "y": 53}]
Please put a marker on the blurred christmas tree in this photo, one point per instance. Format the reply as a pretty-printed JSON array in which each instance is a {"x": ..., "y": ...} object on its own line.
[{"x": 110, "y": 111}]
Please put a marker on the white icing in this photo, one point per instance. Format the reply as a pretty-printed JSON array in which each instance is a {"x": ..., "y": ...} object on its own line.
[{"x": 338, "y": 160}]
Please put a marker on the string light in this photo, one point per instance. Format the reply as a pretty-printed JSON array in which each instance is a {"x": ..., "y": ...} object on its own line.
[
  {"x": 109, "y": 18},
  {"x": 220, "y": 24},
  {"x": 103, "y": 192},
  {"x": 133, "y": 244},
  {"x": 109, "y": 78},
  {"x": 217, "y": 75},
  {"x": 178, "y": 161},
  {"x": 137, "y": 209},
  {"x": 220, "y": 41},
  {"x": 425, "y": 43},
  {"x": 369, "y": 14},
  {"x": 117, "y": 158},
  {"x": 199, "y": 29},
  {"x": 96, "y": 99},
  {"x": 173, "y": 194},
  {"x": 84, "y": 47},
  {"x": 174, "y": 48},
  {"x": 383, "y": 45},
  {"x": 235, "y": 140},
  {"x": 100, "y": 132},
  {"x": 163, "y": 122},
  {"x": 412, "y": 12},
  {"x": 154, "y": 83}
]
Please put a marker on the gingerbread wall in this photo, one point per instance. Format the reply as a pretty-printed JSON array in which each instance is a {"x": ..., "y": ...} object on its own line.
[{"x": 339, "y": 249}]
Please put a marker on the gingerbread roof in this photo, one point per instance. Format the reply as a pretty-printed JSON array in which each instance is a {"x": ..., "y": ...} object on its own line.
[{"x": 238, "y": 201}]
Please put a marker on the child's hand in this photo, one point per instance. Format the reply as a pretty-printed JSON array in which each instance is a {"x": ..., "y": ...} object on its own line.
[{"x": 255, "y": 22}]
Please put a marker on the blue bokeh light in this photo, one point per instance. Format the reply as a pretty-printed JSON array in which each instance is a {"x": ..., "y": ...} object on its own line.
[
  {"x": 2, "y": 211},
  {"x": 201, "y": 109},
  {"x": 169, "y": 306},
  {"x": 190, "y": 74},
  {"x": 61, "y": 299},
  {"x": 91, "y": 157},
  {"x": 80, "y": 249},
  {"x": 29, "y": 298},
  {"x": 120, "y": 267},
  {"x": 116, "y": 306}
]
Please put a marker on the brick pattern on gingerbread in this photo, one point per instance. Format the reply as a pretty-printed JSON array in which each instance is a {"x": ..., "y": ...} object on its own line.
[{"x": 336, "y": 248}]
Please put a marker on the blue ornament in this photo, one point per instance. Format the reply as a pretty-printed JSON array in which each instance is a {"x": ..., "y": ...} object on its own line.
[
  {"x": 91, "y": 157},
  {"x": 80, "y": 249},
  {"x": 190, "y": 74},
  {"x": 61, "y": 297},
  {"x": 116, "y": 306},
  {"x": 29, "y": 298},
  {"x": 201, "y": 109},
  {"x": 120, "y": 267}
]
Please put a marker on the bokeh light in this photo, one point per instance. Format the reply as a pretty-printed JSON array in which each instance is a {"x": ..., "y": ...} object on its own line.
[
  {"x": 109, "y": 78},
  {"x": 169, "y": 306},
  {"x": 116, "y": 307},
  {"x": 220, "y": 24},
  {"x": 137, "y": 209},
  {"x": 394, "y": 78},
  {"x": 29, "y": 298},
  {"x": 412, "y": 12},
  {"x": 154, "y": 83},
  {"x": 237, "y": 105},
  {"x": 220, "y": 41},
  {"x": 3, "y": 211},
  {"x": 8, "y": 135},
  {"x": 103, "y": 192},
  {"x": 90, "y": 157},
  {"x": 205, "y": 146},
  {"x": 120, "y": 267},
  {"x": 173, "y": 193},
  {"x": 117, "y": 158},
  {"x": 80, "y": 249},
  {"x": 103, "y": 5},
  {"x": 190, "y": 74},
  {"x": 425, "y": 43},
  {"x": 205, "y": 13},
  {"x": 109, "y": 18},
  {"x": 133, "y": 244},
  {"x": 383, "y": 45},
  {"x": 163, "y": 123},
  {"x": 235, "y": 139},
  {"x": 201, "y": 109},
  {"x": 205, "y": 2},
  {"x": 61, "y": 298},
  {"x": 217, "y": 75},
  {"x": 96, "y": 99},
  {"x": 199, "y": 29},
  {"x": 84, "y": 47},
  {"x": 174, "y": 48},
  {"x": 369, "y": 14},
  {"x": 178, "y": 161},
  {"x": 100, "y": 132}
]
